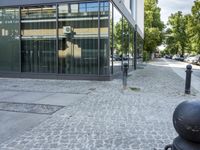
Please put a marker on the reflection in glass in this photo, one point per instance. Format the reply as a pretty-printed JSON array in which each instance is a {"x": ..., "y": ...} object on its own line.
[
  {"x": 80, "y": 45},
  {"x": 78, "y": 39},
  {"x": 104, "y": 38},
  {"x": 121, "y": 41},
  {"x": 139, "y": 48},
  {"x": 111, "y": 38},
  {"x": 125, "y": 41},
  {"x": 38, "y": 30},
  {"x": 89, "y": 7},
  {"x": 131, "y": 49},
  {"x": 117, "y": 41},
  {"x": 9, "y": 40}
]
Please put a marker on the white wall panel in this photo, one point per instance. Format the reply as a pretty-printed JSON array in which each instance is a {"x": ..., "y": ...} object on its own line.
[
  {"x": 137, "y": 11},
  {"x": 127, "y": 4},
  {"x": 140, "y": 15},
  {"x": 134, "y": 8}
]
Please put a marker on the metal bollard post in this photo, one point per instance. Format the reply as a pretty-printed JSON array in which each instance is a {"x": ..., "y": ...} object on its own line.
[
  {"x": 125, "y": 75},
  {"x": 186, "y": 121},
  {"x": 188, "y": 79}
]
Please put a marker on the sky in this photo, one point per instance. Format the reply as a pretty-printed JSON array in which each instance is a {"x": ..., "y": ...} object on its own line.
[{"x": 172, "y": 6}]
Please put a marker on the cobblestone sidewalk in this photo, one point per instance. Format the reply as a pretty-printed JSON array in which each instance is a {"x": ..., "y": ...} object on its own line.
[{"x": 109, "y": 118}]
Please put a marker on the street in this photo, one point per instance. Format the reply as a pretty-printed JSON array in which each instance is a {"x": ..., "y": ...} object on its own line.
[
  {"x": 180, "y": 68},
  {"x": 182, "y": 65}
]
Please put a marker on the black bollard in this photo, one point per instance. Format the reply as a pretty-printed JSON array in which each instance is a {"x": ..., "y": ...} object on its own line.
[
  {"x": 186, "y": 121},
  {"x": 188, "y": 79},
  {"x": 125, "y": 75}
]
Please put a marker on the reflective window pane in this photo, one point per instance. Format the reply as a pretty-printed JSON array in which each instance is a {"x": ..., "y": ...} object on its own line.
[
  {"x": 139, "y": 48},
  {"x": 78, "y": 40},
  {"x": 38, "y": 30},
  {"x": 117, "y": 41},
  {"x": 9, "y": 40},
  {"x": 131, "y": 49},
  {"x": 74, "y": 42},
  {"x": 74, "y": 8},
  {"x": 104, "y": 39},
  {"x": 111, "y": 38}
]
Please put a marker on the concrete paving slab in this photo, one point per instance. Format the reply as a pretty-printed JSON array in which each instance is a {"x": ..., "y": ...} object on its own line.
[
  {"x": 7, "y": 94},
  {"x": 29, "y": 108},
  {"x": 28, "y": 97},
  {"x": 13, "y": 124},
  {"x": 61, "y": 99}
]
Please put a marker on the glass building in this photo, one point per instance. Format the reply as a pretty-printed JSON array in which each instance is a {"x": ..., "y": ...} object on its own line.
[{"x": 67, "y": 39}]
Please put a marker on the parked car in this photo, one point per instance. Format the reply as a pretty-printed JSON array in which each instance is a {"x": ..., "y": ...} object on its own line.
[
  {"x": 187, "y": 59},
  {"x": 168, "y": 56},
  {"x": 126, "y": 57},
  {"x": 116, "y": 57},
  {"x": 181, "y": 58},
  {"x": 176, "y": 57},
  {"x": 198, "y": 62},
  {"x": 194, "y": 60}
]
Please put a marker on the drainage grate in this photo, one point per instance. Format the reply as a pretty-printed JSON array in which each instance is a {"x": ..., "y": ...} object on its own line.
[{"x": 29, "y": 108}]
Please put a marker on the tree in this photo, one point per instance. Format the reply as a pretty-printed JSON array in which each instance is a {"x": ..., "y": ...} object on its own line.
[
  {"x": 195, "y": 26},
  {"x": 170, "y": 42},
  {"x": 177, "y": 37},
  {"x": 123, "y": 35},
  {"x": 188, "y": 48},
  {"x": 183, "y": 34},
  {"x": 153, "y": 26}
]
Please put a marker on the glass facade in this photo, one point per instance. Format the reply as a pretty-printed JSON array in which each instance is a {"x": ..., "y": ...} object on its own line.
[
  {"x": 139, "y": 49},
  {"x": 121, "y": 41},
  {"x": 131, "y": 46},
  {"x": 38, "y": 44},
  {"x": 78, "y": 38},
  {"x": 9, "y": 40},
  {"x": 104, "y": 39},
  {"x": 83, "y": 38},
  {"x": 116, "y": 40}
]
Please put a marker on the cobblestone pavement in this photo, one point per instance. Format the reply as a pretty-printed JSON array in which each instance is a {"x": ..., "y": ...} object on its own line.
[{"x": 108, "y": 118}]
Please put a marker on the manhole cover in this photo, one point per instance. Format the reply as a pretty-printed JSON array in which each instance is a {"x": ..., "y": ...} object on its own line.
[{"x": 29, "y": 108}]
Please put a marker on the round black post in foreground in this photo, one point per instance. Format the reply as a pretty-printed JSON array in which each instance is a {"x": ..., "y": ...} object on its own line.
[
  {"x": 125, "y": 75},
  {"x": 188, "y": 79},
  {"x": 186, "y": 121}
]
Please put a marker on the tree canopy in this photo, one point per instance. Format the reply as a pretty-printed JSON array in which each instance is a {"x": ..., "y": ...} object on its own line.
[
  {"x": 153, "y": 26},
  {"x": 123, "y": 35},
  {"x": 176, "y": 34},
  {"x": 183, "y": 32}
]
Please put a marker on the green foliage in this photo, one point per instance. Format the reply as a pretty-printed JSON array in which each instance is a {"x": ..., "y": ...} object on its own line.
[
  {"x": 188, "y": 47},
  {"x": 163, "y": 53},
  {"x": 123, "y": 37},
  {"x": 195, "y": 26},
  {"x": 153, "y": 26},
  {"x": 183, "y": 34},
  {"x": 145, "y": 56},
  {"x": 177, "y": 37}
]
